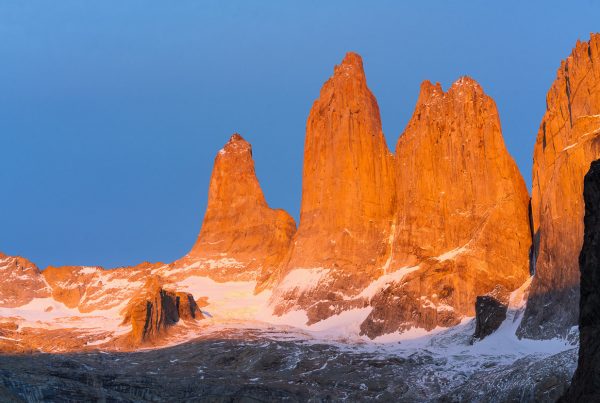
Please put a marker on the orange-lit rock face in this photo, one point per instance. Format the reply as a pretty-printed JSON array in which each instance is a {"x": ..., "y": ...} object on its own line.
[
  {"x": 456, "y": 180},
  {"x": 462, "y": 212},
  {"x": 567, "y": 142},
  {"x": 94, "y": 288},
  {"x": 348, "y": 193},
  {"x": 241, "y": 237},
  {"x": 20, "y": 282},
  {"x": 153, "y": 310},
  {"x": 416, "y": 236}
]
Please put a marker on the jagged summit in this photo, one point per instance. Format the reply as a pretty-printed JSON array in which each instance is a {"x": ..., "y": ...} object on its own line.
[
  {"x": 348, "y": 196},
  {"x": 352, "y": 59},
  {"x": 466, "y": 81},
  {"x": 367, "y": 215},
  {"x": 236, "y": 144},
  {"x": 462, "y": 215},
  {"x": 238, "y": 223},
  {"x": 351, "y": 66},
  {"x": 464, "y": 87}
]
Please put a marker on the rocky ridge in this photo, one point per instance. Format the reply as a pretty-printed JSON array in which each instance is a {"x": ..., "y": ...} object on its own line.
[
  {"x": 461, "y": 243},
  {"x": 567, "y": 142},
  {"x": 391, "y": 232},
  {"x": 21, "y": 282},
  {"x": 154, "y": 310},
  {"x": 405, "y": 240}
]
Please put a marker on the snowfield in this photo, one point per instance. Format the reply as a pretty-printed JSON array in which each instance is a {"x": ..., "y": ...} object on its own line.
[
  {"x": 442, "y": 362},
  {"x": 233, "y": 306}
]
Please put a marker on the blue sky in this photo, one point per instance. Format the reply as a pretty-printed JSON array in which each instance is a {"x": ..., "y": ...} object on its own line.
[{"x": 111, "y": 112}]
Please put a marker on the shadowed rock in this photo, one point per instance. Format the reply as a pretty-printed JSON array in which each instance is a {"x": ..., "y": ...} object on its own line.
[
  {"x": 586, "y": 381},
  {"x": 490, "y": 312}
]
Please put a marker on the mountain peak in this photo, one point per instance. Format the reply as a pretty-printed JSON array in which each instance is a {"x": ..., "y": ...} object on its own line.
[
  {"x": 350, "y": 67},
  {"x": 236, "y": 138},
  {"x": 239, "y": 230},
  {"x": 352, "y": 59},
  {"x": 466, "y": 86},
  {"x": 236, "y": 144},
  {"x": 348, "y": 195}
]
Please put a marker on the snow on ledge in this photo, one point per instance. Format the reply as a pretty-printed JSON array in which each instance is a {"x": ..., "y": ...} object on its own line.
[
  {"x": 302, "y": 279},
  {"x": 383, "y": 281},
  {"x": 451, "y": 254}
]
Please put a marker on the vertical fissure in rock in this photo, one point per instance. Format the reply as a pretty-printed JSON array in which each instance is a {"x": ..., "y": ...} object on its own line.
[
  {"x": 568, "y": 90},
  {"x": 535, "y": 241},
  {"x": 148, "y": 323},
  {"x": 543, "y": 139}
]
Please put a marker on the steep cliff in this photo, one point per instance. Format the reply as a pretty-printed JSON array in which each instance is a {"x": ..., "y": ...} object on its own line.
[
  {"x": 241, "y": 237},
  {"x": 567, "y": 141},
  {"x": 348, "y": 199},
  {"x": 20, "y": 282},
  {"x": 154, "y": 310},
  {"x": 418, "y": 236},
  {"x": 462, "y": 222},
  {"x": 93, "y": 288}
]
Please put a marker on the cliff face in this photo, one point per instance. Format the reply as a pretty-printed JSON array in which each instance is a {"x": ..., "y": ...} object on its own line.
[
  {"x": 462, "y": 221},
  {"x": 416, "y": 236},
  {"x": 94, "y": 288},
  {"x": 241, "y": 237},
  {"x": 567, "y": 141},
  {"x": 20, "y": 282},
  {"x": 586, "y": 381},
  {"x": 154, "y": 310},
  {"x": 348, "y": 198},
  {"x": 457, "y": 182}
]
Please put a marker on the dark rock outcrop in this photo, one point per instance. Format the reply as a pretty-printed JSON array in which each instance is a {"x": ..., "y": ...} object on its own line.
[
  {"x": 155, "y": 309},
  {"x": 586, "y": 381},
  {"x": 525, "y": 380},
  {"x": 490, "y": 312}
]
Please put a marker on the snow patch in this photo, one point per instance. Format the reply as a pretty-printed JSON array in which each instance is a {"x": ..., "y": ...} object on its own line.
[
  {"x": 383, "y": 281},
  {"x": 50, "y": 314},
  {"x": 230, "y": 300},
  {"x": 302, "y": 279},
  {"x": 582, "y": 136},
  {"x": 88, "y": 270},
  {"x": 452, "y": 253},
  {"x": 344, "y": 326}
]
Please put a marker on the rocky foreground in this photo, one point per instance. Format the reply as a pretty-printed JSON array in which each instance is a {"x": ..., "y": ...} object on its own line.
[{"x": 254, "y": 365}]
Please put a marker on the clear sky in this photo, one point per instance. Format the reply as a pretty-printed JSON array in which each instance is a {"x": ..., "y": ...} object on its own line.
[{"x": 111, "y": 112}]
